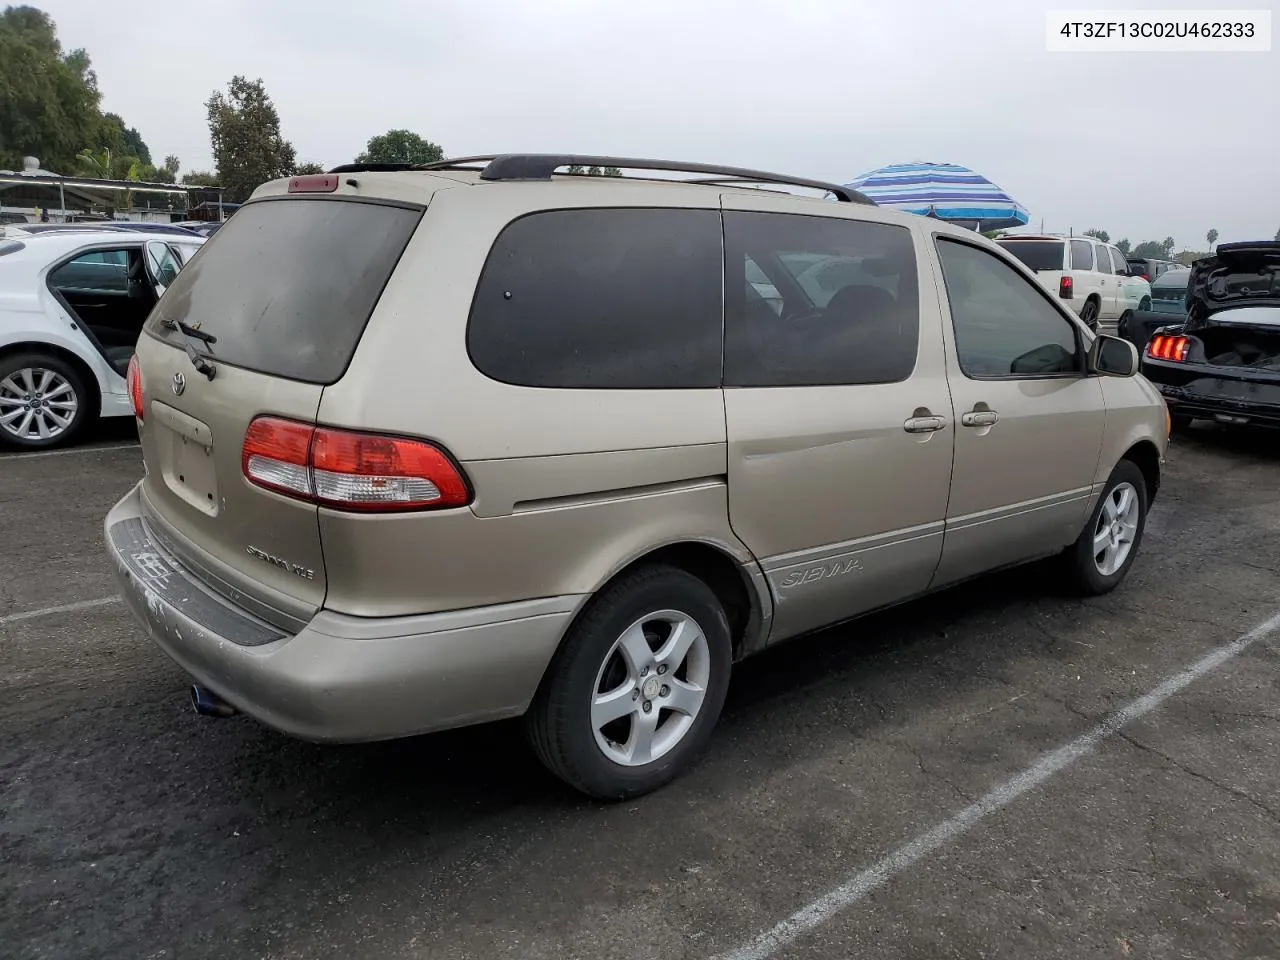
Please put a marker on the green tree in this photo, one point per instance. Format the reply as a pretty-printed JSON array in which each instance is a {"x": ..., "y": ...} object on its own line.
[
  {"x": 1150, "y": 250},
  {"x": 200, "y": 178},
  {"x": 1212, "y": 237},
  {"x": 129, "y": 140},
  {"x": 400, "y": 146},
  {"x": 244, "y": 130},
  {"x": 612, "y": 172},
  {"x": 1278, "y": 236},
  {"x": 168, "y": 173},
  {"x": 48, "y": 98},
  {"x": 1123, "y": 246},
  {"x": 993, "y": 234},
  {"x": 1167, "y": 246},
  {"x": 308, "y": 167},
  {"x": 1098, "y": 235}
]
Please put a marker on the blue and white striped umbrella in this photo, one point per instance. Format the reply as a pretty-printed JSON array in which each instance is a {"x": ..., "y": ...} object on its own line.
[{"x": 946, "y": 191}]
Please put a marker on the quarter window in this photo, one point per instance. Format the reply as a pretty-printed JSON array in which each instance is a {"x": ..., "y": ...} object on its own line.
[
  {"x": 838, "y": 303},
  {"x": 1081, "y": 255},
  {"x": 1005, "y": 327},
  {"x": 602, "y": 298}
]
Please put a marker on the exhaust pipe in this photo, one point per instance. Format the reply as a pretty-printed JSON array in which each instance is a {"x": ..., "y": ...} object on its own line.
[{"x": 208, "y": 704}]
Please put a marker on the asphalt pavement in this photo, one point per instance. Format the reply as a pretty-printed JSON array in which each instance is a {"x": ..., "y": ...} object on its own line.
[{"x": 999, "y": 771}]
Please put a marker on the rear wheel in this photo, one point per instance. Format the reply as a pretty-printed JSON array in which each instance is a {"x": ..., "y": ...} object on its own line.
[
  {"x": 44, "y": 401},
  {"x": 1089, "y": 314},
  {"x": 1107, "y": 547},
  {"x": 634, "y": 692}
]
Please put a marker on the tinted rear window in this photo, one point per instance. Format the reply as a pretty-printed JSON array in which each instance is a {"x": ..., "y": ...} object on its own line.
[
  {"x": 288, "y": 286},
  {"x": 1037, "y": 254},
  {"x": 602, "y": 298}
]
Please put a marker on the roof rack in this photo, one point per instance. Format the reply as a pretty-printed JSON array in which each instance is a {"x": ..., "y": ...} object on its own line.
[
  {"x": 372, "y": 167},
  {"x": 540, "y": 166}
]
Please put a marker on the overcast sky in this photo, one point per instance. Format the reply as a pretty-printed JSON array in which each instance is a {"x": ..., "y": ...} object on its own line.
[{"x": 1142, "y": 145}]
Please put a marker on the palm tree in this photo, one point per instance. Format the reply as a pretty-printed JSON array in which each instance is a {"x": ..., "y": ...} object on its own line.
[
  {"x": 95, "y": 163},
  {"x": 1212, "y": 237}
]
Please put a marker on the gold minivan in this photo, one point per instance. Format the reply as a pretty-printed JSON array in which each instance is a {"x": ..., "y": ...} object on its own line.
[{"x": 436, "y": 445}]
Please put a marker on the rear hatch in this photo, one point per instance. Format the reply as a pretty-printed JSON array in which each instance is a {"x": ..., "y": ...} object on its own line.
[
  {"x": 1233, "y": 306},
  {"x": 274, "y": 307}
]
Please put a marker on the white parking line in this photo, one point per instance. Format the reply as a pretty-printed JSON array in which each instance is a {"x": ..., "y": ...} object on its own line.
[
  {"x": 865, "y": 881},
  {"x": 64, "y": 608},
  {"x": 69, "y": 451}
]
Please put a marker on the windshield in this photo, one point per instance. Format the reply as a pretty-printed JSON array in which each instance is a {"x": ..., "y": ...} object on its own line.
[
  {"x": 1036, "y": 254},
  {"x": 288, "y": 285}
]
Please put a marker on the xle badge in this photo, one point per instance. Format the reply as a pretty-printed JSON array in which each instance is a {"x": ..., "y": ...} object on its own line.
[{"x": 295, "y": 568}]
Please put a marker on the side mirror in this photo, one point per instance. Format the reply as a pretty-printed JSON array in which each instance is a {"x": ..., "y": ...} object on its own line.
[{"x": 1112, "y": 357}]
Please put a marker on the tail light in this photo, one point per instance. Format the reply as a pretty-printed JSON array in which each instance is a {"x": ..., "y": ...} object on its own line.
[
  {"x": 314, "y": 183},
  {"x": 348, "y": 470},
  {"x": 1066, "y": 288},
  {"x": 134, "y": 380},
  {"x": 1164, "y": 347}
]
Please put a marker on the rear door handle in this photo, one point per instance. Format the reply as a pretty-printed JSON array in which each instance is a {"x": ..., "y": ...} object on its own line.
[
  {"x": 979, "y": 418},
  {"x": 924, "y": 424}
]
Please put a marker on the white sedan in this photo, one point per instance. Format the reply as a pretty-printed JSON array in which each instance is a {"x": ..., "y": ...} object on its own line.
[{"x": 72, "y": 304}]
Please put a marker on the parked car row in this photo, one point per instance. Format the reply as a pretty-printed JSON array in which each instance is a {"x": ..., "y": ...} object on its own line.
[
  {"x": 72, "y": 304},
  {"x": 1093, "y": 278},
  {"x": 430, "y": 447}
]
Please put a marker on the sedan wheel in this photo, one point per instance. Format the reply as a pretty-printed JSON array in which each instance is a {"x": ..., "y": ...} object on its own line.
[
  {"x": 42, "y": 401},
  {"x": 1105, "y": 550}
]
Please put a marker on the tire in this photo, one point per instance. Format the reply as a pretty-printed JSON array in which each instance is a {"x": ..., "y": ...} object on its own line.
[
  {"x": 26, "y": 413},
  {"x": 1144, "y": 304},
  {"x": 1122, "y": 325},
  {"x": 1087, "y": 574},
  {"x": 1089, "y": 314},
  {"x": 591, "y": 663}
]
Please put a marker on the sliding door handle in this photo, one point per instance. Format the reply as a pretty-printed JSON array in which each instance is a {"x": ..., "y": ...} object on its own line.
[
  {"x": 924, "y": 424},
  {"x": 979, "y": 418}
]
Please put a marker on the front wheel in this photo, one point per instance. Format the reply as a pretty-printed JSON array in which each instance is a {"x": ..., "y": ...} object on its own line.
[
  {"x": 44, "y": 401},
  {"x": 1107, "y": 547},
  {"x": 634, "y": 692}
]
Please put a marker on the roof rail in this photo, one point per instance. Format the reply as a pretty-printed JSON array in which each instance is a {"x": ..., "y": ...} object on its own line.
[{"x": 540, "y": 166}]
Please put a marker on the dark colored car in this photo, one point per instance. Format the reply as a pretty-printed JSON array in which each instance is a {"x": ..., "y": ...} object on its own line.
[
  {"x": 1168, "y": 305},
  {"x": 1148, "y": 269},
  {"x": 1222, "y": 361}
]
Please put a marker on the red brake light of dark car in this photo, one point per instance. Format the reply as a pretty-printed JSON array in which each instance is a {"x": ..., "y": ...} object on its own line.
[
  {"x": 1164, "y": 347},
  {"x": 314, "y": 183},
  {"x": 1065, "y": 288},
  {"x": 134, "y": 380},
  {"x": 350, "y": 471}
]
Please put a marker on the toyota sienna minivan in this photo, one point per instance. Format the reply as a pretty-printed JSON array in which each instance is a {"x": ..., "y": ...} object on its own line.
[{"x": 436, "y": 445}]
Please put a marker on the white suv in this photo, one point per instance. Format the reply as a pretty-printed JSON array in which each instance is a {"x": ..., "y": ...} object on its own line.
[{"x": 1092, "y": 276}]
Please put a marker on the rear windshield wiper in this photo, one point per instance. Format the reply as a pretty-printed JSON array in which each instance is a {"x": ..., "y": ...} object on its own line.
[{"x": 190, "y": 333}]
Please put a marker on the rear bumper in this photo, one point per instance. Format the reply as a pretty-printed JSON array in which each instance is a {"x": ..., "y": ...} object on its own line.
[
  {"x": 1208, "y": 393},
  {"x": 341, "y": 678}
]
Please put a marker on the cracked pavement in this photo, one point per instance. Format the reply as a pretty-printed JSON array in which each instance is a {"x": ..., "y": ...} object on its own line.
[{"x": 131, "y": 828}]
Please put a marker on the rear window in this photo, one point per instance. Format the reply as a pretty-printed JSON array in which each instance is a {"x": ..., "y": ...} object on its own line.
[
  {"x": 1036, "y": 254},
  {"x": 289, "y": 285}
]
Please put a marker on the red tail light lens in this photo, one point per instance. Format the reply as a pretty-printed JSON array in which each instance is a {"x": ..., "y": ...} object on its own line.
[
  {"x": 350, "y": 471},
  {"x": 134, "y": 380},
  {"x": 1065, "y": 288},
  {"x": 1164, "y": 347}
]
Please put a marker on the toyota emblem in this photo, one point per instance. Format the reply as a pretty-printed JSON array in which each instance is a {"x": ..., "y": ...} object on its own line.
[{"x": 179, "y": 383}]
